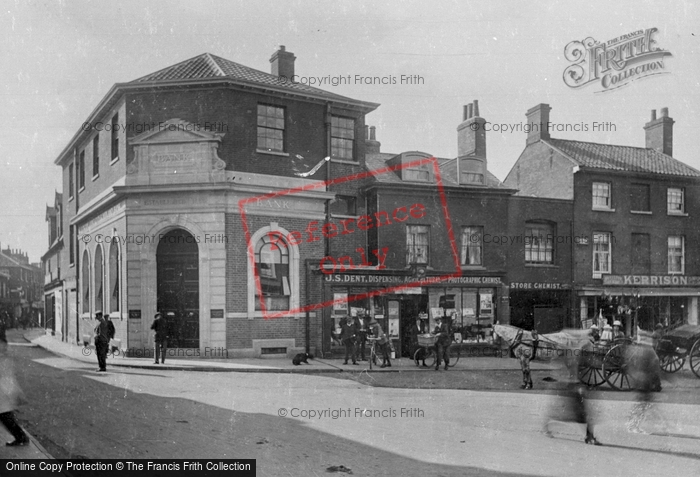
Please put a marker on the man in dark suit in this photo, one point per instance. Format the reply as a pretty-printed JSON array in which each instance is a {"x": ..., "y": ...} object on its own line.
[
  {"x": 111, "y": 331},
  {"x": 362, "y": 325},
  {"x": 348, "y": 335},
  {"x": 160, "y": 326},
  {"x": 443, "y": 342},
  {"x": 101, "y": 341}
]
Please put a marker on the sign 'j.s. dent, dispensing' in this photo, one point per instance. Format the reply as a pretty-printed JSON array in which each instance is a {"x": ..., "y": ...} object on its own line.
[{"x": 614, "y": 63}]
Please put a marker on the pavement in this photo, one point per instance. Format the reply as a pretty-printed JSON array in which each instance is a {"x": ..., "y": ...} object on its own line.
[
  {"x": 265, "y": 365},
  {"x": 37, "y": 337}
]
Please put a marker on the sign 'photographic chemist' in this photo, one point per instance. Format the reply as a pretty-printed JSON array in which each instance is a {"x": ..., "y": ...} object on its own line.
[
  {"x": 316, "y": 231},
  {"x": 614, "y": 63}
]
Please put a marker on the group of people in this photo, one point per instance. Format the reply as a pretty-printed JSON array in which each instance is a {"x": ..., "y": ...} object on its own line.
[
  {"x": 354, "y": 334},
  {"x": 105, "y": 331},
  {"x": 609, "y": 333}
]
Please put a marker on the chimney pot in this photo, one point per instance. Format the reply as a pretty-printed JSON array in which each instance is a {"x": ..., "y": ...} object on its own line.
[
  {"x": 476, "y": 108},
  {"x": 466, "y": 113},
  {"x": 664, "y": 112},
  {"x": 372, "y": 133},
  {"x": 470, "y": 110},
  {"x": 653, "y": 114}
]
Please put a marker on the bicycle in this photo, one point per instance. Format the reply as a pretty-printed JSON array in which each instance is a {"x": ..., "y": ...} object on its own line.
[
  {"x": 373, "y": 358},
  {"x": 427, "y": 351}
]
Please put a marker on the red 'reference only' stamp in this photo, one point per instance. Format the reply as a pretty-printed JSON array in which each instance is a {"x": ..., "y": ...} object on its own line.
[{"x": 316, "y": 231}]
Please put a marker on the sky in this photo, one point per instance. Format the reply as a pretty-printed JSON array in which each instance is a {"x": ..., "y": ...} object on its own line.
[{"x": 59, "y": 59}]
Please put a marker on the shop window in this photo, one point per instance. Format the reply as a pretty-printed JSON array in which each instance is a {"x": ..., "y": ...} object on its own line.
[
  {"x": 640, "y": 254},
  {"x": 602, "y": 258},
  {"x": 272, "y": 267},
  {"x": 639, "y": 198},
  {"x": 342, "y": 138},
  {"x": 676, "y": 201},
  {"x": 539, "y": 243},
  {"x": 417, "y": 244},
  {"x": 676, "y": 254},
  {"x": 472, "y": 245},
  {"x": 601, "y": 196},
  {"x": 344, "y": 205},
  {"x": 276, "y": 264},
  {"x": 270, "y": 128}
]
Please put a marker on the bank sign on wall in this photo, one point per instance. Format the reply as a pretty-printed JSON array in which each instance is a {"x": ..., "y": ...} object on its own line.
[{"x": 651, "y": 280}]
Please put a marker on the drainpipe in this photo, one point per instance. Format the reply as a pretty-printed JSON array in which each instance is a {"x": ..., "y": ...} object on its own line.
[
  {"x": 328, "y": 174},
  {"x": 307, "y": 293}
]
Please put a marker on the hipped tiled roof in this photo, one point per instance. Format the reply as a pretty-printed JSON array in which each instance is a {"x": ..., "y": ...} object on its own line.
[
  {"x": 208, "y": 66},
  {"x": 621, "y": 158}
]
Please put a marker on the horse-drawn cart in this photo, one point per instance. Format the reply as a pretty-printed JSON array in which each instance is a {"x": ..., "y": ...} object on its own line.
[
  {"x": 679, "y": 345},
  {"x": 623, "y": 364}
]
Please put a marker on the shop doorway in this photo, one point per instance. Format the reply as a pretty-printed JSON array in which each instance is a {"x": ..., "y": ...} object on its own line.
[
  {"x": 409, "y": 308},
  {"x": 177, "y": 260}
]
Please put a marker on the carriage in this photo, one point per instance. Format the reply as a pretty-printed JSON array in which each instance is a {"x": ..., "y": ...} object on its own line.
[
  {"x": 679, "y": 345},
  {"x": 622, "y": 364}
]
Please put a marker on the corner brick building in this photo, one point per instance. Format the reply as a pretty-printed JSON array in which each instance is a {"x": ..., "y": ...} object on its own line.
[{"x": 634, "y": 241}]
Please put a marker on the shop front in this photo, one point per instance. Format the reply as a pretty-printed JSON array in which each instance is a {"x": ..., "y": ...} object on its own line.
[
  {"x": 641, "y": 301},
  {"x": 471, "y": 303},
  {"x": 544, "y": 306}
]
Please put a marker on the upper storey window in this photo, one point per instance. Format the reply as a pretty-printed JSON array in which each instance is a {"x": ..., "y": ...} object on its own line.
[
  {"x": 676, "y": 201},
  {"x": 270, "y": 128},
  {"x": 602, "y": 196},
  {"x": 342, "y": 138}
]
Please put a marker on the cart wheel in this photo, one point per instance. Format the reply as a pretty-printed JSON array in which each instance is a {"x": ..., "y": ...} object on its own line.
[
  {"x": 590, "y": 376},
  {"x": 671, "y": 362},
  {"x": 615, "y": 369},
  {"x": 695, "y": 358}
]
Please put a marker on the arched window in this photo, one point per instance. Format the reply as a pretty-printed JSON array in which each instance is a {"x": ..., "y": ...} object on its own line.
[
  {"x": 99, "y": 279},
  {"x": 85, "y": 279},
  {"x": 113, "y": 277},
  {"x": 272, "y": 266}
]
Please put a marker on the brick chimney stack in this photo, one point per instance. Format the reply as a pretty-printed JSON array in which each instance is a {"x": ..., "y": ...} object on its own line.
[
  {"x": 659, "y": 132},
  {"x": 372, "y": 146},
  {"x": 471, "y": 137},
  {"x": 538, "y": 122},
  {"x": 283, "y": 63}
]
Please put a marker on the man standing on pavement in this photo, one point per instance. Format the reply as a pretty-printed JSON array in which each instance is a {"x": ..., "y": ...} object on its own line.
[
  {"x": 160, "y": 326},
  {"x": 110, "y": 328},
  {"x": 101, "y": 341},
  {"x": 348, "y": 335},
  {"x": 362, "y": 328},
  {"x": 443, "y": 341}
]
